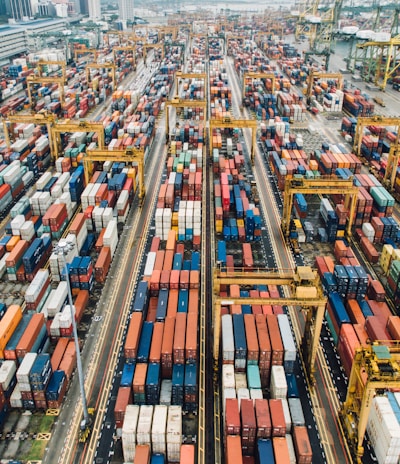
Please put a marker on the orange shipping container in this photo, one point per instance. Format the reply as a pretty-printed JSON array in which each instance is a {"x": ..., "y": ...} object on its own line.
[
  {"x": 393, "y": 326},
  {"x": 12, "y": 242},
  {"x": 8, "y": 324},
  {"x": 16, "y": 253},
  {"x": 166, "y": 347},
  {"x": 354, "y": 312},
  {"x": 302, "y": 445},
  {"x": 124, "y": 397},
  {"x": 191, "y": 337},
  {"x": 58, "y": 352},
  {"x": 156, "y": 342},
  {"x": 30, "y": 335},
  {"x": 81, "y": 302},
  {"x": 77, "y": 223},
  {"x": 179, "y": 338},
  {"x": 193, "y": 300},
  {"x": 139, "y": 379},
  {"x": 251, "y": 338},
  {"x": 281, "y": 450},
  {"x": 173, "y": 297},
  {"x": 142, "y": 454},
  {"x": 171, "y": 241},
  {"x": 187, "y": 454},
  {"x": 276, "y": 340},
  {"x": 233, "y": 450},
  {"x": 68, "y": 362},
  {"x": 168, "y": 259},
  {"x": 277, "y": 418},
  {"x": 133, "y": 335}
]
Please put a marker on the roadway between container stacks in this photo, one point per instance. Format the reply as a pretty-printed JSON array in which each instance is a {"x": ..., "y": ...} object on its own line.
[
  {"x": 324, "y": 397},
  {"x": 105, "y": 337}
]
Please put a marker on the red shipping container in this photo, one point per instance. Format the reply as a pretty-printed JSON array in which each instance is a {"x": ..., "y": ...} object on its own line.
[
  {"x": 393, "y": 327},
  {"x": 179, "y": 338},
  {"x": 348, "y": 342},
  {"x": 263, "y": 418},
  {"x": 166, "y": 347},
  {"x": 102, "y": 264},
  {"x": 276, "y": 340},
  {"x": 375, "y": 329},
  {"x": 133, "y": 335},
  {"x": 232, "y": 417},
  {"x": 124, "y": 397},
  {"x": 277, "y": 418},
  {"x": 251, "y": 338}
]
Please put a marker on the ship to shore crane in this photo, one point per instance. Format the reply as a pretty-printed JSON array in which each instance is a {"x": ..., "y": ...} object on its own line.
[
  {"x": 258, "y": 75},
  {"x": 319, "y": 75},
  {"x": 323, "y": 185},
  {"x": 129, "y": 155},
  {"x": 105, "y": 66},
  {"x": 306, "y": 293},
  {"x": 229, "y": 123},
  {"x": 45, "y": 119},
  {"x": 67, "y": 126},
  {"x": 375, "y": 368},
  {"x": 386, "y": 59},
  {"x": 180, "y": 103}
]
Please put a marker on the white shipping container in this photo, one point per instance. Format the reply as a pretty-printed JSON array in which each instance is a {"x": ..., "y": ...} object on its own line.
[
  {"x": 43, "y": 180},
  {"x": 25, "y": 368},
  {"x": 286, "y": 413},
  {"x": 158, "y": 430},
  {"x": 58, "y": 298},
  {"x": 292, "y": 453},
  {"x": 228, "y": 376},
  {"x": 296, "y": 412},
  {"x": 16, "y": 397},
  {"x": 287, "y": 338},
  {"x": 278, "y": 384},
  {"x": 66, "y": 318},
  {"x": 256, "y": 394},
  {"x": 226, "y": 394},
  {"x": 55, "y": 326},
  {"x": 228, "y": 346},
  {"x": 7, "y": 373},
  {"x": 143, "y": 430},
  {"x": 240, "y": 380},
  {"x": 166, "y": 392},
  {"x": 242, "y": 394},
  {"x": 128, "y": 433},
  {"x": 150, "y": 261},
  {"x": 40, "y": 281}
]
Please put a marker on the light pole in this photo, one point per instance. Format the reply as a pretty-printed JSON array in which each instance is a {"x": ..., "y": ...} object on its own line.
[{"x": 62, "y": 249}]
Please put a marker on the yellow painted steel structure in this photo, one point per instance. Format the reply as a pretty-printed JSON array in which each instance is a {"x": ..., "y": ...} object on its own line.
[
  {"x": 380, "y": 121},
  {"x": 375, "y": 368},
  {"x": 323, "y": 185},
  {"x": 386, "y": 58},
  {"x": 229, "y": 123},
  {"x": 179, "y": 103},
  {"x": 105, "y": 66},
  {"x": 129, "y": 155},
  {"x": 258, "y": 75},
  {"x": 181, "y": 75},
  {"x": 39, "y": 78},
  {"x": 306, "y": 291},
  {"x": 84, "y": 51},
  {"x": 45, "y": 119},
  {"x": 80, "y": 126},
  {"x": 320, "y": 75}
]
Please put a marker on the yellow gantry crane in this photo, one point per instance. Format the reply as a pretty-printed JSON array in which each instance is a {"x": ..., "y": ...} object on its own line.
[
  {"x": 84, "y": 51},
  {"x": 229, "y": 123},
  {"x": 39, "y": 78},
  {"x": 314, "y": 75},
  {"x": 363, "y": 122},
  {"x": 181, "y": 75},
  {"x": 126, "y": 48},
  {"x": 375, "y": 368},
  {"x": 105, "y": 66},
  {"x": 258, "y": 75},
  {"x": 67, "y": 126},
  {"x": 180, "y": 103},
  {"x": 324, "y": 185},
  {"x": 306, "y": 291},
  {"x": 157, "y": 46},
  {"x": 45, "y": 119},
  {"x": 129, "y": 155}
]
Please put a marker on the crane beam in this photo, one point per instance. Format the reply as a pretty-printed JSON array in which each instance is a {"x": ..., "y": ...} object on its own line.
[
  {"x": 318, "y": 75},
  {"x": 106, "y": 66},
  {"x": 363, "y": 122}
]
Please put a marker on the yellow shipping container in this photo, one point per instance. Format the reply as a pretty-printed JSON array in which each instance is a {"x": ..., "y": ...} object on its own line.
[
  {"x": 396, "y": 254},
  {"x": 8, "y": 324},
  {"x": 174, "y": 220},
  {"x": 340, "y": 233},
  {"x": 218, "y": 226},
  {"x": 240, "y": 222}
]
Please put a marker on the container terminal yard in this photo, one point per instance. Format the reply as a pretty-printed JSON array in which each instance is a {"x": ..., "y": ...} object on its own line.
[{"x": 199, "y": 253}]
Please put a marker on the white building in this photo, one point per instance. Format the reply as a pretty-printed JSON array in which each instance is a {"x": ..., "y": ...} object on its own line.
[
  {"x": 94, "y": 9},
  {"x": 126, "y": 9}
]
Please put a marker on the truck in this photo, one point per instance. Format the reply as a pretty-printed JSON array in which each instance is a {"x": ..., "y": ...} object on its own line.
[{"x": 379, "y": 101}]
